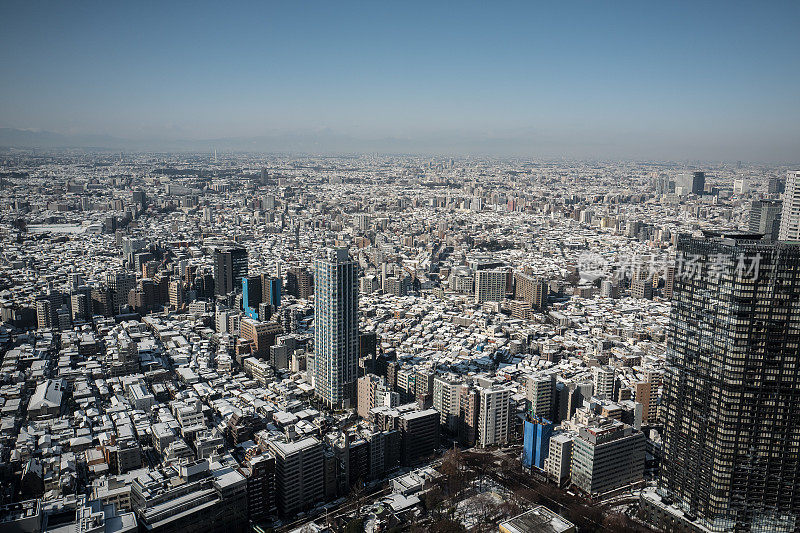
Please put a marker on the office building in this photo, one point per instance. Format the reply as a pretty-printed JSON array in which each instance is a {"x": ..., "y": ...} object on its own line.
[
  {"x": 336, "y": 328},
  {"x": 189, "y": 496},
  {"x": 642, "y": 289},
  {"x": 130, "y": 247},
  {"x": 419, "y": 433},
  {"x": 298, "y": 474},
  {"x": 669, "y": 281},
  {"x": 230, "y": 266},
  {"x": 558, "y": 463},
  {"x": 644, "y": 394},
  {"x": 271, "y": 290},
  {"x": 469, "y": 400},
  {"x": 446, "y": 400},
  {"x": 123, "y": 456},
  {"x": 120, "y": 284},
  {"x": 730, "y": 451},
  {"x": 423, "y": 387},
  {"x": 261, "y": 334},
  {"x": 540, "y": 519},
  {"x": 765, "y": 218},
  {"x": 741, "y": 186},
  {"x": 252, "y": 296},
  {"x": 45, "y": 314},
  {"x": 608, "y": 289},
  {"x": 690, "y": 183},
  {"x": 607, "y": 455},
  {"x": 776, "y": 186},
  {"x": 81, "y": 305},
  {"x": 369, "y": 284},
  {"x": 362, "y": 222},
  {"x": 260, "y": 474},
  {"x": 176, "y": 296},
  {"x": 280, "y": 354},
  {"x": 461, "y": 280},
  {"x": 397, "y": 285},
  {"x": 698, "y": 182},
  {"x": 370, "y": 388},
  {"x": 22, "y": 516},
  {"x": 102, "y": 301}
]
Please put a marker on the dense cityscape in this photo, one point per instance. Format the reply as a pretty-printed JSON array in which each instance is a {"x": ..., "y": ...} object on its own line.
[
  {"x": 246, "y": 342},
  {"x": 399, "y": 267}
]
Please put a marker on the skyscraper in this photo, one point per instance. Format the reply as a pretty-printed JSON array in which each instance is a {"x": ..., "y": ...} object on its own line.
[
  {"x": 230, "y": 266},
  {"x": 732, "y": 384},
  {"x": 336, "y": 328},
  {"x": 694, "y": 183},
  {"x": 272, "y": 288},
  {"x": 698, "y": 182},
  {"x": 790, "y": 215},
  {"x": 251, "y": 295},
  {"x": 765, "y": 217},
  {"x": 776, "y": 186}
]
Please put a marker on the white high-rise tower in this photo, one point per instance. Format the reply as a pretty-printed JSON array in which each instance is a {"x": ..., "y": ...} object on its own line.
[
  {"x": 790, "y": 211},
  {"x": 336, "y": 328}
]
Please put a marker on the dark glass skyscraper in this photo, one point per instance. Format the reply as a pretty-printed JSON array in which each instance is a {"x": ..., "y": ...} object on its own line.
[
  {"x": 698, "y": 182},
  {"x": 765, "y": 217},
  {"x": 230, "y": 266},
  {"x": 252, "y": 295},
  {"x": 732, "y": 384}
]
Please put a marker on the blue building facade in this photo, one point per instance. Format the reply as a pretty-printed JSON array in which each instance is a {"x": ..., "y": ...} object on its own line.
[
  {"x": 536, "y": 441},
  {"x": 251, "y": 296},
  {"x": 257, "y": 290},
  {"x": 275, "y": 287}
]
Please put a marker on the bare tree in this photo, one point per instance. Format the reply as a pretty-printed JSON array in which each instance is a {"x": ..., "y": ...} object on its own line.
[
  {"x": 452, "y": 469},
  {"x": 433, "y": 500},
  {"x": 485, "y": 509}
]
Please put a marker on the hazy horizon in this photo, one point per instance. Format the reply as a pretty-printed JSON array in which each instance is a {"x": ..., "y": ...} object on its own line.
[{"x": 676, "y": 82}]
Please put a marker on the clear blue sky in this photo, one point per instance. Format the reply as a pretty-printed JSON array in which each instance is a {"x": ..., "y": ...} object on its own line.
[{"x": 634, "y": 79}]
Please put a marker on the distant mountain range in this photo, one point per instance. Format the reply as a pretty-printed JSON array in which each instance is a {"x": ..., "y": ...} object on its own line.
[
  {"x": 323, "y": 141},
  {"x": 17, "y": 138},
  {"x": 14, "y": 138},
  {"x": 326, "y": 141}
]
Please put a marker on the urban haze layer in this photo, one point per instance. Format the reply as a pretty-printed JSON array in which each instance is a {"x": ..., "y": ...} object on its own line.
[{"x": 250, "y": 342}]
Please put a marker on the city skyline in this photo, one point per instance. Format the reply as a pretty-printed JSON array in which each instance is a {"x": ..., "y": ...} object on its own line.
[
  {"x": 423, "y": 266},
  {"x": 247, "y": 341}
]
